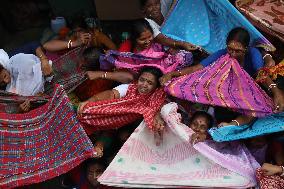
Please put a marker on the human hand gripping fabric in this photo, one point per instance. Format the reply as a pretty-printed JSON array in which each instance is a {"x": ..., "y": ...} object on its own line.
[
  {"x": 159, "y": 125},
  {"x": 81, "y": 108},
  {"x": 83, "y": 39},
  {"x": 165, "y": 78},
  {"x": 278, "y": 99},
  {"x": 25, "y": 106},
  {"x": 198, "y": 137},
  {"x": 100, "y": 150},
  {"x": 269, "y": 169}
]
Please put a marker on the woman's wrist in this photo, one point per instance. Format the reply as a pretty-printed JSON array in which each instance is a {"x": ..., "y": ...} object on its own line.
[{"x": 235, "y": 122}]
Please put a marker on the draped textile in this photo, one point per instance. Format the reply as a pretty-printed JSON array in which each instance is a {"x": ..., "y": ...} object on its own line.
[
  {"x": 67, "y": 71},
  {"x": 267, "y": 15},
  {"x": 114, "y": 113},
  {"x": 41, "y": 144},
  {"x": 223, "y": 83},
  {"x": 208, "y": 23},
  {"x": 266, "y": 125},
  {"x": 176, "y": 163},
  {"x": 269, "y": 182},
  {"x": 153, "y": 56}
]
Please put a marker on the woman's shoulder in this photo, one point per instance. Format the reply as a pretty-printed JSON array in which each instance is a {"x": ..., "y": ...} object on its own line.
[{"x": 254, "y": 53}]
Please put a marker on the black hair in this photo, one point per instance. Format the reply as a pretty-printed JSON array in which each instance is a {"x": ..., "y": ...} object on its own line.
[
  {"x": 142, "y": 3},
  {"x": 78, "y": 22},
  {"x": 204, "y": 114},
  {"x": 152, "y": 70},
  {"x": 91, "y": 57},
  {"x": 138, "y": 27},
  {"x": 239, "y": 34}
]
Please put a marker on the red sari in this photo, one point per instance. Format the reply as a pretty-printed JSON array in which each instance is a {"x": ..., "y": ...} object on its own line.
[{"x": 115, "y": 113}]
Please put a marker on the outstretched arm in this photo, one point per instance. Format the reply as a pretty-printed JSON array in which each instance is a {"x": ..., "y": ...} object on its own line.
[
  {"x": 240, "y": 120},
  {"x": 45, "y": 66},
  {"x": 166, "y": 41},
  {"x": 119, "y": 76},
  {"x": 167, "y": 77}
]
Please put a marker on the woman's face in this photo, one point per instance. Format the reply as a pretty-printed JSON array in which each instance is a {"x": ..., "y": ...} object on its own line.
[
  {"x": 147, "y": 83},
  {"x": 236, "y": 50},
  {"x": 199, "y": 124},
  {"x": 5, "y": 77},
  {"x": 144, "y": 40},
  {"x": 152, "y": 10}
]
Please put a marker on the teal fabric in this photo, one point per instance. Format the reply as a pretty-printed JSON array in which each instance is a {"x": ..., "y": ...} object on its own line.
[
  {"x": 206, "y": 23},
  {"x": 267, "y": 125}
]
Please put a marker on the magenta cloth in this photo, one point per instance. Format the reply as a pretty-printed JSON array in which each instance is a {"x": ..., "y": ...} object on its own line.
[
  {"x": 154, "y": 56},
  {"x": 223, "y": 83}
]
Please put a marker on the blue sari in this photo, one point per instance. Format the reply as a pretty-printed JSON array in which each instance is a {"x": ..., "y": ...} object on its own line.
[
  {"x": 266, "y": 125},
  {"x": 207, "y": 22}
]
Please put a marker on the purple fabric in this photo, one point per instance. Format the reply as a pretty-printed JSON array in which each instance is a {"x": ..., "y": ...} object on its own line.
[
  {"x": 223, "y": 83},
  {"x": 153, "y": 56},
  {"x": 231, "y": 155}
]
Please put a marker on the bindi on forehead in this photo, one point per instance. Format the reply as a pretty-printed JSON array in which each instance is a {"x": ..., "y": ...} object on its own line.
[{"x": 148, "y": 77}]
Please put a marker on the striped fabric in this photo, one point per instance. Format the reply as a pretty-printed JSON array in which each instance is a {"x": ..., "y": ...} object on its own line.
[
  {"x": 224, "y": 83},
  {"x": 111, "y": 114},
  {"x": 176, "y": 163},
  {"x": 41, "y": 144}
]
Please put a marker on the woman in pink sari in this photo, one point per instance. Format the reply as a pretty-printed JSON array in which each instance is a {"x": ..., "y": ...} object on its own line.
[{"x": 141, "y": 50}]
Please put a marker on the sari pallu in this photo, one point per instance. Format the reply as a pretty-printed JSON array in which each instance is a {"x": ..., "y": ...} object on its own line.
[
  {"x": 114, "y": 113},
  {"x": 223, "y": 83},
  {"x": 176, "y": 163},
  {"x": 208, "y": 23},
  {"x": 153, "y": 56},
  {"x": 41, "y": 144}
]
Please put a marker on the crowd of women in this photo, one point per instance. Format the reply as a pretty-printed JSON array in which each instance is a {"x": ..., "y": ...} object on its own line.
[{"x": 152, "y": 112}]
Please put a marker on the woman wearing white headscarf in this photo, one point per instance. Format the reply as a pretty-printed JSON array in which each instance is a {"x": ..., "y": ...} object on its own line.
[{"x": 22, "y": 74}]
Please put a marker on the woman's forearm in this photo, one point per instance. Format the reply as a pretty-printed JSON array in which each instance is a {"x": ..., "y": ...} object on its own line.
[{"x": 58, "y": 45}]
